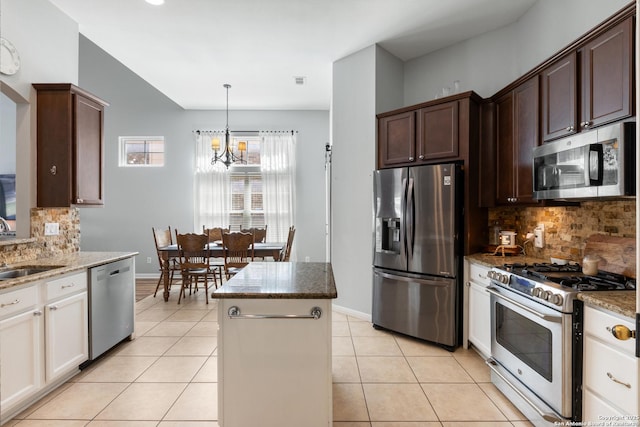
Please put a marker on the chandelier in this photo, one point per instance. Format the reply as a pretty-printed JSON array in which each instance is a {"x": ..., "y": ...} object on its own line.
[{"x": 227, "y": 156}]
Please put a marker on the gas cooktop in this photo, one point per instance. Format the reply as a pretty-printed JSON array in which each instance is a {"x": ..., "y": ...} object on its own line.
[
  {"x": 555, "y": 285},
  {"x": 571, "y": 276}
]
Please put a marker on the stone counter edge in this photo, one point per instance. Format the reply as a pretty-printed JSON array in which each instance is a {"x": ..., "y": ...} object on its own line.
[{"x": 68, "y": 264}]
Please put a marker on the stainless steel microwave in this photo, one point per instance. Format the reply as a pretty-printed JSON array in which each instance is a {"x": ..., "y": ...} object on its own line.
[{"x": 598, "y": 163}]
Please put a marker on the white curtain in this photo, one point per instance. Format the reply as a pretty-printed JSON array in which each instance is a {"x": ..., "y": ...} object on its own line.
[
  {"x": 212, "y": 192},
  {"x": 278, "y": 168}
]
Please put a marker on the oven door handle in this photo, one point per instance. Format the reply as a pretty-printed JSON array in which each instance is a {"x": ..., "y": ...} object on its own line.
[
  {"x": 491, "y": 363},
  {"x": 494, "y": 291}
]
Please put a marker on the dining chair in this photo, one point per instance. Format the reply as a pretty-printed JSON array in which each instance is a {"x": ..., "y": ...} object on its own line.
[
  {"x": 238, "y": 251},
  {"x": 194, "y": 263},
  {"x": 259, "y": 234},
  {"x": 285, "y": 254},
  {"x": 163, "y": 238},
  {"x": 215, "y": 236}
]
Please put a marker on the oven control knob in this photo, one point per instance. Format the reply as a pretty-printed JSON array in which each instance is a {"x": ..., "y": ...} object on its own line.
[
  {"x": 491, "y": 274},
  {"x": 555, "y": 299},
  {"x": 543, "y": 295},
  {"x": 504, "y": 278},
  {"x": 536, "y": 292}
]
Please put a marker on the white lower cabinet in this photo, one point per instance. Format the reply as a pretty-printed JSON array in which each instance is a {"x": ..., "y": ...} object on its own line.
[
  {"x": 610, "y": 382},
  {"x": 21, "y": 350},
  {"x": 66, "y": 335},
  {"x": 43, "y": 339},
  {"x": 479, "y": 308}
]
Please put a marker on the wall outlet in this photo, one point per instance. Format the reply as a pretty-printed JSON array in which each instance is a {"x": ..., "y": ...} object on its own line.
[
  {"x": 306, "y": 259},
  {"x": 148, "y": 260},
  {"x": 51, "y": 229},
  {"x": 538, "y": 236}
]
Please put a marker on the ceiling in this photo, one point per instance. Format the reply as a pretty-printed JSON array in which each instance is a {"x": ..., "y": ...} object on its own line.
[{"x": 187, "y": 49}]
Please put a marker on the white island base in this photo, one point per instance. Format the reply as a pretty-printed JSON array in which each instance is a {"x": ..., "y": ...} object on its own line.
[{"x": 274, "y": 362}]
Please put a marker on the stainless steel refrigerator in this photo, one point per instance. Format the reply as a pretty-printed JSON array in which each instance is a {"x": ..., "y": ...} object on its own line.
[{"x": 416, "y": 255}]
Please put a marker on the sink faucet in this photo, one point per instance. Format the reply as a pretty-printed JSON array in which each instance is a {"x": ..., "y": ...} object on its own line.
[{"x": 4, "y": 225}]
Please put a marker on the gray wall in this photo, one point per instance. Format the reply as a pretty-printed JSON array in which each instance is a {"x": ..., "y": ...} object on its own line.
[
  {"x": 485, "y": 64},
  {"x": 138, "y": 198},
  {"x": 353, "y": 160}
]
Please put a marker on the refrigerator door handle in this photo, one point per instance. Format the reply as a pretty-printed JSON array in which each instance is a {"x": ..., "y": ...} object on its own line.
[
  {"x": 410, "y": 215},
  {"x": 403, "y": 209},
  {"x": 410, "y": 279}
]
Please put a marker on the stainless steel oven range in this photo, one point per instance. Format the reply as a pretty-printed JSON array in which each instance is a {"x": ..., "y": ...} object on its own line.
[{"x": 536, "y": 336}]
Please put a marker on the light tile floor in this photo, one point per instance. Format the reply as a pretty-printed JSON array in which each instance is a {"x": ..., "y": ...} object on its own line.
[{"x": 167, "y": 377}]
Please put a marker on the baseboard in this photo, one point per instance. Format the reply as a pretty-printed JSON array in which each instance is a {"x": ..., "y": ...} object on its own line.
[
  {"x": 351, "y": 312},
  {"x": 155, "y": 276}
]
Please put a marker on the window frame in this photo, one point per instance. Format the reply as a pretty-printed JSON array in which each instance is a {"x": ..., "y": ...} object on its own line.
[{"x": 122, "y": 152}]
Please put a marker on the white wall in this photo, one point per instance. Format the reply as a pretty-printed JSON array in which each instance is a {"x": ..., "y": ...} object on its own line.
[
  {"x": 489, "y": 62},
  {"x": 138, "y": 198},
  {"x": 47, "y": 42}
]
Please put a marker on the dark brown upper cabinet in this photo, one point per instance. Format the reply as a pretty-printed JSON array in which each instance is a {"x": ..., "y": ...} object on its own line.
[
  {"x": 559, "y": 98},
  {"x": 599, "y": 91},
  {"x": 517, "y": 118},
  {"x": 70, "y": 127},
  {"x": 396, "y": 139},
  {"x": 607, "y": 73},
  {"x": 438, "y": 131}
]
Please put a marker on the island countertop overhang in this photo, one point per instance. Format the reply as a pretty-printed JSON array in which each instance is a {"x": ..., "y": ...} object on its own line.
[{"x": 281, "y": 280}]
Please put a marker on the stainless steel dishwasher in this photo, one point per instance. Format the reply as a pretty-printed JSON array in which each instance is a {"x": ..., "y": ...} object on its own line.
[{"x": 111, "y": 305}]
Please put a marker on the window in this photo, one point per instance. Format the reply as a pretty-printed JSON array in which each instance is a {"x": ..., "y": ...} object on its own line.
[
  {"x": 246, "y": 187},
  {"x": 141, "y": 151}
]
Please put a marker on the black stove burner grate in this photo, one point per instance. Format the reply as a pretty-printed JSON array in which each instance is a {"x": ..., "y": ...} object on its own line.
[{"x": 573, "y": 278}]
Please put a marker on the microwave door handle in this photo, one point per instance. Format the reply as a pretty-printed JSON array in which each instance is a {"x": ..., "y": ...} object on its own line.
[{"x": 595, "y": 164}]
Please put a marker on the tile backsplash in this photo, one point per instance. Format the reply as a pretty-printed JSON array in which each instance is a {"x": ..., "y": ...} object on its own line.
[
  {"x": 568, "y": 227},
  {"x": 39, "y": 245}
]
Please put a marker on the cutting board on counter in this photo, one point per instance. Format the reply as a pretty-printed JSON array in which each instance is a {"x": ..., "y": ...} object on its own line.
[{"x": 618, "y": 254}]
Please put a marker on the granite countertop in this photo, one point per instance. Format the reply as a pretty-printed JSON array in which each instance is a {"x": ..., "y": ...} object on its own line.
[
  {"x": 64, "y": 264},
  {"x": 620, "y": 302},
  {"x": 285, "y": 280},
  {"x": 489, "y": 260}
]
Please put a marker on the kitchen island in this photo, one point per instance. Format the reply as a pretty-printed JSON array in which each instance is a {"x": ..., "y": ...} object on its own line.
[{"x": 274, "y": 345}]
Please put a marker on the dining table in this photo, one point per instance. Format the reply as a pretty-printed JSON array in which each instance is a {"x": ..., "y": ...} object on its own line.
[{"x": 261, "y": 250}]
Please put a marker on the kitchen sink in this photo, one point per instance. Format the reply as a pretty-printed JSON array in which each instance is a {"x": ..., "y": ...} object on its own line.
[{"x": 25, "y": 271}]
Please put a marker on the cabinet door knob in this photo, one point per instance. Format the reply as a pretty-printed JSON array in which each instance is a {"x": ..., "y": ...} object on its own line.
[
  {"x": 79, "y": 200},
  {"x": 621, "y": 332},
  {"x": 53, "y": 170},
  {"x": 586, "y": 124},
  {"x": 411, "y": 159},
  {"x": 421, "y": 157},
  {"x": 569, "y": 128}
]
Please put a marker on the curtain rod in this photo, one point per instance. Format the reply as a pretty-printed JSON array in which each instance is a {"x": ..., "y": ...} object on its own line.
[{"x": 198, "y": 131}]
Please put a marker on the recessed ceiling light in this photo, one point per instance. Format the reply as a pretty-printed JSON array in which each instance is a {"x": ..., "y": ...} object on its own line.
[{"x": 155, "y": 2}]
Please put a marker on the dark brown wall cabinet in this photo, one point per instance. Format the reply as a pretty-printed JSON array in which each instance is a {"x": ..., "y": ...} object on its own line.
[
  {"x": 599, "y": 92},
  {"x": 439, "y": 131},
  {"x": 70, "y": 146},
  {"x": 397, "y": 139},
  {"x": 607, "y": 76},
  {"x": 516, "y": 135},
  {"x": 421, "y": 135}
]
